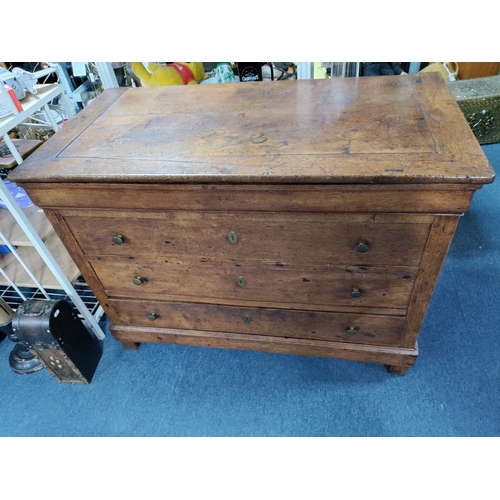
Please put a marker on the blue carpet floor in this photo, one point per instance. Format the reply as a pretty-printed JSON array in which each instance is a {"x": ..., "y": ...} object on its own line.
[{"x": 453, "y": 390}]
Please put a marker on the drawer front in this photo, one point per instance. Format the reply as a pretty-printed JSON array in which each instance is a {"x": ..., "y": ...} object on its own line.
[
  {"x": 333, "y": 238},
  {"x": 355, "y": 328},
  {"x": 259, "y": 283}
]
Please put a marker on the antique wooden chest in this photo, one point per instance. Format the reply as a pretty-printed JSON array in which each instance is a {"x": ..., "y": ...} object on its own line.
[
  {"x": 479, "y": 100},
  {"x": 309, "y": 217}
]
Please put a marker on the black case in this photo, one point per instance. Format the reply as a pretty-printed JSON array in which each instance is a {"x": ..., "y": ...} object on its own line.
[{"x": 53, "y": 332}]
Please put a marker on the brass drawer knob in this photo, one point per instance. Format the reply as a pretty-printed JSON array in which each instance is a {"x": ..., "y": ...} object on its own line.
[
  {"x": 118, "y": 239},
  {"x": 138, "y": 280},
  {"x": 351, "y": 330},
  {"x": 240, "y": 281},
  {"x": 152, "y": 317},
  {"x": 362, "y": 247},
  {"x": 232, "y": 237},
  {"x": 355, "y": 293}
]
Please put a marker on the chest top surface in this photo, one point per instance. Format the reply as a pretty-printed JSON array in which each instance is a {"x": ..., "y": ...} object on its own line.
[{"x": 402, "y": 129}]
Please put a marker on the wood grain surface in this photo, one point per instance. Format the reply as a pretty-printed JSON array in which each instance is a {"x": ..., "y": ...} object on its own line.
[
  {"x": 364, "y": 198},
  {"x": 345, "y": 130},
  {"x": 342, "y": 327},
  {"x": 265, "y": 283},
  {"x": 398, "y": 356},
  {"x": 282, "y": 237},
  {"x": 440, "y": 239}
]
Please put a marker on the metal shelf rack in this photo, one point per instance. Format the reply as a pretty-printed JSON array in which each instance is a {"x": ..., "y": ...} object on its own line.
[{"x": 12, "y": 293}]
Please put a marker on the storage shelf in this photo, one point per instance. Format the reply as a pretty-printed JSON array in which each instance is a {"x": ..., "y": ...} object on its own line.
[
  {"x": 13, "y": 232},
  {"x": 31, "y": 103},
  {"x": 17, "y": 237},
  {"x": 37, "y": 266},
  {"x": 33, "y": 222}
]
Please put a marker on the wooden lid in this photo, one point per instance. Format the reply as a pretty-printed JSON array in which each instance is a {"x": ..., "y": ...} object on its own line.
[{"x": 390, "y": 129}]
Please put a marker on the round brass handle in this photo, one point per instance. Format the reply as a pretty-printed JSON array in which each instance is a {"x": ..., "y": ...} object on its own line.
[
  {"x": 118, "y": 239},
  {"x": 362, "y": 247},
  {"x": 232, "y": 237},
  {"x": 138, "y": 280},
  {"x": 355, "y": 293},
  {"x": 351, "y": 330},
  {"x": 152, "y": 317},
  {"x": 240, "y": 281}
]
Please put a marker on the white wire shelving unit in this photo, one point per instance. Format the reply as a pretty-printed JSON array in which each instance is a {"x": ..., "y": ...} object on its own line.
[{"x": 60, "y": 286}]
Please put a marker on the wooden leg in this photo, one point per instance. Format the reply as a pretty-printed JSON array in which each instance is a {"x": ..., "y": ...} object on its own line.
[
  {"x": 398, "y": 370},
  {"x": 130, "y": 345}
]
